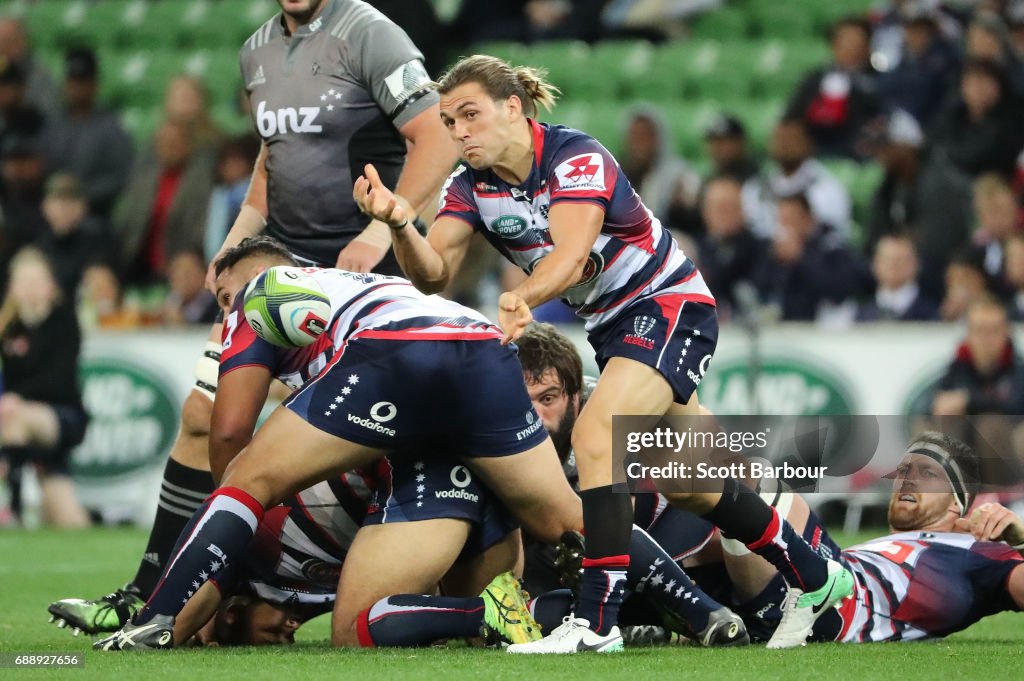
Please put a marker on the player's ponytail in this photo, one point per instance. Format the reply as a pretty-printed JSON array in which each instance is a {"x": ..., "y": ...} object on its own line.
[
  {"x": 502, "y": 81},
  {"x": 541, "y": 92}
]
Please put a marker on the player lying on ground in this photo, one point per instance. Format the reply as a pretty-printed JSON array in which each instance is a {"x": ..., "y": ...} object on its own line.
[
  {"x": 942, "y": 567},
  {"x": 391, "y": 353},
  {"x": 555, "y": 203}
]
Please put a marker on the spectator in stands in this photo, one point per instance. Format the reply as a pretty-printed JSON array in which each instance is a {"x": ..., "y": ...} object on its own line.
[
  {"x": 1015, "y": 23},
  {"x": 15, "y": 48},
  {"x": 17, "y": 116},
  {"x": 101, "y": 301},
  {"x": 664, "y": 181},
  {"x": 75, "y": 239},
  {"x": 729, "y": 252},
  {"x": 898, "y": 296},
  {"x": 810, "y": 274},
  {"x": 187, "y": 103},
  {"x": 965, "y": 283},
  {"x": 41, "y": 413},
  {"x": 235, "y": 161},
  {"x": 1013, "y": 276},
  {"x": 921, "y": 193},
  {"x": 980, "y": 128},
  {"x": 894, "y": 18},
  {"x": 926, "y": 69},
  {"x": 93, "y": 145},
  {"x": 164, "y": 208},
  {"x": 989, "y": 38},
  {"x": 839, "y": 98},
  {"x": 528, "y": 20},
  {"x": 22, "y": 178},
  {"x": 986, "y": 376},
  {"x": 725, "y": 140},
  {"x": 418, "y": 18},
  {"x": 188, "y": 302},
  {"x": 795, "y": 171},
  {"x": 998, "y": 217}
]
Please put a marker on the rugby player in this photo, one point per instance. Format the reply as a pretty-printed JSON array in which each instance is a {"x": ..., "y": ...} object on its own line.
[
  {"x": 942, "y": 567},
  {"x": 554, "y": 202},
  {"x": 354, "y": 410},
  {"x": 332, "y": 84}
]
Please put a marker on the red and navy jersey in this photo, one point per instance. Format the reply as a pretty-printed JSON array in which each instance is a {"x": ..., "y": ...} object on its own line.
[
  {"x": 362, "y": 306},
  {"x": 296, "y": 555},
  {"x": 916, "y": 585},
  {"x": 634, "y": 257}
]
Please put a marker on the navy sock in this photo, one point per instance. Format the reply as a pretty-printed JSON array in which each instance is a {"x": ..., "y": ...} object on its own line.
[
  {"x": 213, "y": 540},
  {"x": 549, "y": 609},
  {"x": 653, "y": 574},
  {"x": 183, "y": 491},
  {"x": 607, "y": 521},
  {"x": 744, "y": 515},
  {"x": 410, "y": 620}
]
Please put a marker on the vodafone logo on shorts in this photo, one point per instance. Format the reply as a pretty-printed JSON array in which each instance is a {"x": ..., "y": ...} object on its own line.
[
  {"x": 581, "y": 173},
  {"x": 380, "y": 413}
]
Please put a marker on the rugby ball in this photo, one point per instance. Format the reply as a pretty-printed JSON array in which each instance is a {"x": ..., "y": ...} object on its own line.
[{"x": 286, "y": 306}]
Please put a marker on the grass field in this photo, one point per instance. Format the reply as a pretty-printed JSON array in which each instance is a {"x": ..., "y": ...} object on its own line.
[{"x": 38, "y": 567}]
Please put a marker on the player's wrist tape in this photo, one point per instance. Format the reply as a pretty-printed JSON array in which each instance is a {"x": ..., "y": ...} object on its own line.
[{"x": 397, "y": 228}]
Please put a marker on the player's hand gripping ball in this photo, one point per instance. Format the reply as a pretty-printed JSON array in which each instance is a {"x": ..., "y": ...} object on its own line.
[{"x": 286, "y": 306}]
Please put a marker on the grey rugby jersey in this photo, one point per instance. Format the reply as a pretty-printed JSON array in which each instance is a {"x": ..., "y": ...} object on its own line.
[{"x": 327, "y": 100}]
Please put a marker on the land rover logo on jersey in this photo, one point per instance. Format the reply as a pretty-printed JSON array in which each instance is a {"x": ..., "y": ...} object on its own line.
[
  {"x": 133, "y": 418},
  {"x": 508, "y": 226},
  {"x": 785, "y": 385}
]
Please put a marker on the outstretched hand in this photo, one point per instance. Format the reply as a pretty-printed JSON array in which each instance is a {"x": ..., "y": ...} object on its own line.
[
  {"x": 513, "y": 316},
  {"x": 376, "y": 200}
]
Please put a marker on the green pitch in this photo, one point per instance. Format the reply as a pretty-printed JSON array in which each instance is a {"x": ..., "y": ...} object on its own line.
[{"x": 38, "y": 567}]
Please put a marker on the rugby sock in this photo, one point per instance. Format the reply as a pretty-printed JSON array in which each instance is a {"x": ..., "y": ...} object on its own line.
[
  {"x": 743, "y": 515},
  {"x": 182, "y": 492},
  {"x": 214, "y": 539},
  {"x": 653, "y": 573},
  {"x": 607, "y": 523},
  {"x": 549, "y": 609},
  {"x": 408, "y": 620}
]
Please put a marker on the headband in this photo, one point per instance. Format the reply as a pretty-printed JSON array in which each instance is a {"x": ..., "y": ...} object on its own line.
[{"x": 949, "y": 465}]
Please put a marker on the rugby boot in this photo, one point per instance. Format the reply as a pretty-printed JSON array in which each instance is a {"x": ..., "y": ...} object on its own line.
[
  {"x": 800, "y": 610},
  {"x": 725, "y": 628},
  {"x": 156, "y": 634},
  {"x": 569, "y": 559},
  {"x": 573, "y": 635},
  {"x": 109, "y": 613},
  {"x": 507, "y": 616}
]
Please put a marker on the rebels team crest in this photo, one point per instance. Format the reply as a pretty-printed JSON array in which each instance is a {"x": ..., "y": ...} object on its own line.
[{"x": 642, "y": 326}]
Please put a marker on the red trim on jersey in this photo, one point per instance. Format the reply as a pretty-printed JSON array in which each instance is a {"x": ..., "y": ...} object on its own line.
[
  {"x": 608, "y": 562},
  {"x": 538, "y": 140},
  {"x": 305, "y": 512},
  {"x": 847, "y": 611},
  {"x": 363, "y": 630},
  {"x": 445, "y": 213},
  {"x": 224, "y": 373},
  {"x": 412, "y": 334}
]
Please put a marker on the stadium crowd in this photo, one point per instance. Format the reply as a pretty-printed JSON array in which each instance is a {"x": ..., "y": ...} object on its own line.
[{"x": 927, "y": 92}]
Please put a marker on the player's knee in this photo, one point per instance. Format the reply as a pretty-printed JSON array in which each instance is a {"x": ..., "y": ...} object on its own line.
[
  {"x": 344, "y": 632},
  {"x": 590, "y": 446},
  {"x": 697, "y": 503},
  {"x": 196, "y": 414}
]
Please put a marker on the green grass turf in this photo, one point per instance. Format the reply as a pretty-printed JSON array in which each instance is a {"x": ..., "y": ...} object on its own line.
[{"x": 38, "y": 567}]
